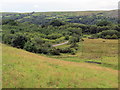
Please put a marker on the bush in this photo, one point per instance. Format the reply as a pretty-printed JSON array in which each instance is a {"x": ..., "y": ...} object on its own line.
[
  {"x": 44, "y": 50},
  {"x": 108, "y": 37},
  {"x": 103, "y": 23},
  {"x": 19, "y": 41},
  {"x": 10, "y": 22},
  {"x": 7, "y": 38},
  {"x": 56, "y": 23},
  {"x": 55, "y": 51},
  {"x": 74, "y": 40},
  {"x": 108, "y": 33},
  {"x": 73, "y": 51},
  {"x": 114, "y": 37},
  {"x": 29, "y": 46},
  {"x": 65, "y": 50},
  {"x": 67, "y": 37},
  {"x": 74, "y": 45}
]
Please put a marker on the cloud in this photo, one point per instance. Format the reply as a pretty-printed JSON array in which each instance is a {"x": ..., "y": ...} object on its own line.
[
  {"x": 36, "y": 6},
  {"x": 58, "y": 5}
]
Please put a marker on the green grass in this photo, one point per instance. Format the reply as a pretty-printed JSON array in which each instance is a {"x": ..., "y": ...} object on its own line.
[
  {"x": 22, "y": 69},
  {"x": 95, "y": 50}
]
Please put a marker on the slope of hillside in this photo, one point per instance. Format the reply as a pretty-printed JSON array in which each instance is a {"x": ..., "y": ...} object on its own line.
[{"x": 22, "y": 69}]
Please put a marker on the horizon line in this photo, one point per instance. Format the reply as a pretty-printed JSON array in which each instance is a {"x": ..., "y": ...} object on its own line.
[{"x": 54, "y": 11}]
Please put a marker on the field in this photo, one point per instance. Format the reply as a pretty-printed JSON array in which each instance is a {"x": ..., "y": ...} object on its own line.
[
  {"x": 101, "y": 51},
  {"x": 28, "y": 70},
  {"x": 60, "y": 49}
]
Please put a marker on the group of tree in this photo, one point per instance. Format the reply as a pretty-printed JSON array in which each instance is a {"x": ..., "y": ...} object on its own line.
[{"x": 39, "y": 39}]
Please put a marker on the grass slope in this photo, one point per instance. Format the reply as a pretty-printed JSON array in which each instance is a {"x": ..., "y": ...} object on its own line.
[
  {"x": 22, "y": 69},
  {"x": 104, "y": 51}
]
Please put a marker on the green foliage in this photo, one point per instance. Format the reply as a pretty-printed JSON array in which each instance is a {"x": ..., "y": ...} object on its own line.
[
  {"x": 73, "y": 51},
  {"x": 74, "y": 45},
  {"x": 53, "y": 36},
  {"x": 66, "y": 37},
  {"x": 65, "y": 50},
  {"x": 77, "y": 31},
  {"x": 29, "y": 46},
  {"x": 103, "y": 23},
  {"x": 56, "y": 23},
  {"x": 40, "y": 38},
  {"x": 7, "y": 38},
  {"x": 19, "y": 41},
  {"x": 74, "y": 40},
  {"x": 55, "y": 51},
  {"x": 10, "y": 22},
  {"x": 114, "y": 36},
  {"x": 109, "y": 34},
  {"x": 107, "y": 37}
]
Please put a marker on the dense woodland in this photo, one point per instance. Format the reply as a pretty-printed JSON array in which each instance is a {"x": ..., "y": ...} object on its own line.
[{"x": 37, "y": 32}]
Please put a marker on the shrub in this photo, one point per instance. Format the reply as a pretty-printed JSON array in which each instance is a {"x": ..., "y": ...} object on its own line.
[
  {"x": 74, "y": 45},
  {"x": 108, "y": 37},
  {"x": 29, "y": 46},
  {"x": 7, "y": 38},
  {"x": 108, "y": 33},
  {"x": 114, "y": 37},
  {"x": 73, "y": 51},
  {"x": 103, "y": 23},
  {"x": 55, "y": 51},
  {"x": 56, "y": 23},
  {"x": 19, "y": 41},
  {"x": 74, "y": 40},
  {"x": 67, "y": 37},
  {"x": 65, "y": 50}
]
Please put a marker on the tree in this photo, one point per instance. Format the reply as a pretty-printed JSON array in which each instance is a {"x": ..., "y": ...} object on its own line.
[
  {"x": 103, "y": 23},
  {"x": 29, "y": 46},
  {"x": 55, "y": 51},
  {"x": 107, "y": 37},
  {"x": 19, "y": 41},
  {"x": 10, "y": 22},
  {"x": 7, "y": 38},
  {"x": 73, "y": 51},
  {"x": 114, "y": 36},
  {"x": 66, "y": 37},
  {"x": 103, "y": 34},
  {"x": 74, "y": 40},
  {"x": 56, "y": 23}
]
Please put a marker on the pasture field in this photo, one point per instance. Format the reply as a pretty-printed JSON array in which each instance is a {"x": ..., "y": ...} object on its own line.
[
  {"x": 103, "y": 51},
  {"x": 22, "y": 69}
]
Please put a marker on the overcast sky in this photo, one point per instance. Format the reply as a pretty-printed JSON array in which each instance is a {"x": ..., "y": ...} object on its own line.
[{"x": 56, "y": 5}]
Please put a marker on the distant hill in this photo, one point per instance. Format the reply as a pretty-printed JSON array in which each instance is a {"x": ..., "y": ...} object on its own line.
[{"x": 84, "y": 17}]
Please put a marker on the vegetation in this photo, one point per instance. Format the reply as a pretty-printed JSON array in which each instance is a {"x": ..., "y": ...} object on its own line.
[
  {"x": 27, "y": 70},
  {"x": 39, "y": 39},
  {"x": 69, "y": 49}
]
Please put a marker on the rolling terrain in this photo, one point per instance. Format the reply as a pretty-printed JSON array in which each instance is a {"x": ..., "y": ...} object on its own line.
[
  {"x": 98, "y": 51},
  {"x": 42, "y": 18},
  {"x": 29, "y": 70},
  {"x": 60, "y": 49}
]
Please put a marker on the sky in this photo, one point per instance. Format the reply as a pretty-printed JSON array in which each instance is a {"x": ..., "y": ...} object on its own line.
[{"x": 56, "y": 5}]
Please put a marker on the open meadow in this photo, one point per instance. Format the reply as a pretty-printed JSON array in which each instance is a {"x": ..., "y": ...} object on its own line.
[
  {"x": 103, "y": 52},
  {"x": 28, "y": 70}
]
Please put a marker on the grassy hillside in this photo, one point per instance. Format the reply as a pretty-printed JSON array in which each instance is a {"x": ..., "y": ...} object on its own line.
[
  {"x": 103, "y": 51},
  {"x": 22, "y": 69}
]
